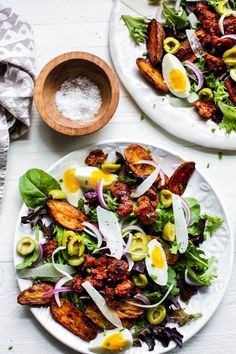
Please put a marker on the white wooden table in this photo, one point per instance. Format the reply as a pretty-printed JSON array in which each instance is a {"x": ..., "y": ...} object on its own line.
[{"x": 60, "y": 26}]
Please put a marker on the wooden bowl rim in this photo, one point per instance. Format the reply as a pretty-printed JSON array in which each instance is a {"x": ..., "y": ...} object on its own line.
[{"x": 83, "y": 128}]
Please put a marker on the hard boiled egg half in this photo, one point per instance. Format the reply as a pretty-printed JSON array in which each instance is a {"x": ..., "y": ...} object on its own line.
[
  {"x": 69, "y": 183},
  {"x": 175, "y": 76},
  {"x": 156, "y": 263},
  {"x": 89, "y": 176},
  {"x": 114, "y": 341}
]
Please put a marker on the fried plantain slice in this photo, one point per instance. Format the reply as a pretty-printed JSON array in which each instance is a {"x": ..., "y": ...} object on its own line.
[
  {"x": 66, "y": 215},
  {"x": 72, "y": 319},
  {"x": 95, "y": 315},
  {"x": 126, "y": 310},
  {"x": 152, "y": 74},
  {"x": 180, "y": 178},
  {"x": 185, "y": 51},
  {"x": 134, "y": 153},
  {"x": 33, "y": 295},
  {"x": 155, "y": 38}
]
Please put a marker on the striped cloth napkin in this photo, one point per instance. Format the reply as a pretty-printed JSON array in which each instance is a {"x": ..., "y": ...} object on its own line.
[{"x": 16, "y": 81}]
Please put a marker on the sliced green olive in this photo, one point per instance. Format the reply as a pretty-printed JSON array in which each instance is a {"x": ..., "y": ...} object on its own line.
[
  {"x": 139, "y": 237},
  {"x": 168, "y": 232},
  {"x": 139, "y": 251},
  {"x": 75, "y": 247},
  {"x": 232, "y": 74},
  {"x": 206, "y": 94},
  {"x": 165, "y": 198},
  {"x": 140, "y": 280},
  {"x": 57, "y": 194},
  {"x": 171, "y": 45},
  {"x": 66, "y": 237},
  {"x": 25, "y": 246},
  {"x": 156, "y": 315},
  {"x": 110, "y": 167},
  {"x": 229, "y": 57},
  {"x": 75, "y": 261},
  {"x": 222, "y": 8}
]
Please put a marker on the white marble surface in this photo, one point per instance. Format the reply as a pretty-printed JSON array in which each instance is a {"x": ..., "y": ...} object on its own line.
[{"x": 61, "y": 26}]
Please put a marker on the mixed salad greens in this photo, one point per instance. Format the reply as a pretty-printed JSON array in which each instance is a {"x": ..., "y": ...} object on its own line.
[
  {"x": 191, "y": 55},
  {"x": 117, "y": 248}
]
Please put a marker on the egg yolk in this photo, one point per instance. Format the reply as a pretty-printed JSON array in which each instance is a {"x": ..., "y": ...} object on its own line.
[
  {"x": 157, "y": 258},
  {"x": 177, "y": 81},
  {"x": 115, "y": 341},
  {"x": 70, "y": 182},
  {"x": 97, "y": 175}
]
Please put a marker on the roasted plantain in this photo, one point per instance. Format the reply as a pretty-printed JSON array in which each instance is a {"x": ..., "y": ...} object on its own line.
[
  {"x": 33, "y": 295},
  {"x": 73, "y": 320},
  {"x": 66, "y": 215},
  {"x": 152, "y": 74},
  {"x": 134, "y": 153},
  {"x": 155, "y": 38},
  {"x": 180, "y": 178},
  {"x": 126, "y": 310}
]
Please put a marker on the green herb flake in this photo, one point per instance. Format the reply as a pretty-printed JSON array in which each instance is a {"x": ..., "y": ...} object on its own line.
[
  {"x": 142, "y": 117},
  {"x": 154, "y": 277},
  {"x": 208, "y": 165},
  {"x": 220, "y": 155},
  {"x": 10, "y": 347},
  {"x": 213, "y": 130},
  {"x": 104, "y": 331},
  {"x": 108, "y": 344},
  {"x": 154, "y": 106},
  {"x": 121, "y": 330}
]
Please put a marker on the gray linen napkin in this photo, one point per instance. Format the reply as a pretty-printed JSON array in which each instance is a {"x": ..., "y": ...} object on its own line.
[{"x": 16, "y": 81}]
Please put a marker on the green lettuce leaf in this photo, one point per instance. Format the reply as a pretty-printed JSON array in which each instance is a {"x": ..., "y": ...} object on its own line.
[
  {"x": 212, "y": 223},
  {"x": 175, "y": 18}
]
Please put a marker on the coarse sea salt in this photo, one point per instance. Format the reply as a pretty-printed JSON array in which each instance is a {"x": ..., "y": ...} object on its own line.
[{"x": 78, "y": 99}]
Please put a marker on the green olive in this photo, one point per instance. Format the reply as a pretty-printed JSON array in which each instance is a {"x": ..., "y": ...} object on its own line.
[
  {"x": 110, "y": 167},
  {"x": 140, "y": 280},
  {"x": 206, "y": 94},
  {"x": 140, "y": 251},
  {"x": 168, "y": 232},
  {"x": 25, "y": 246},
  {"x": 156, "y": 315},
  {"x": 171, "y": 45},
  {"x": 139, "y": 237},
  {"x": 66, "y": 237},
  {"x": 75, "y": 247},
  {"x": 222, "y": 8},
  {"x": 229, "y": 57},
  {"x": 165, "y": 198},
  {"x": 57, "y": 194},
  {"x": 75, "y": 261}
]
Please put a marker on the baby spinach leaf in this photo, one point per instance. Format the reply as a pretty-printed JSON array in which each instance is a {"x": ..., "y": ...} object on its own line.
[
  {"x": 212, "y": 223},
  {"x": 34, "y": 187}
]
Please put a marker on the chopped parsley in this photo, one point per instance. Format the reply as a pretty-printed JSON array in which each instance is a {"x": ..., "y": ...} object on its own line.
[
  {"x": 220, "y": 155},
  {"x": 208, "y": 165},
  {"x": 142, "y": 117}
]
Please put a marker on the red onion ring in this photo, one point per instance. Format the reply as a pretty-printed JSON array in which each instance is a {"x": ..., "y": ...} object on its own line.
[
  {"x": 57, "y": 290},
  {"x": 133, "y": 227},
  {"x": 95, "y": 232},
  {"x": 40, "y": 249},
  {"x": 231, "y": 36},
  {"x": 197, "y": 72},
  {"x": 130, "y": 261},
  {"x": 142, "y": 298},
  {"x": 187, "y": 211},
  {"x": 100, "y": 194},
  {"x": 128, "y": 243},
  {"x": 58, "y": 285},
  {"x": 153, "y": 305}
]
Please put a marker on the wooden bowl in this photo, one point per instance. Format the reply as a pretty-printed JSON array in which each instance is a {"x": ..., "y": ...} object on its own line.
[{"x": 69, "y": 66}]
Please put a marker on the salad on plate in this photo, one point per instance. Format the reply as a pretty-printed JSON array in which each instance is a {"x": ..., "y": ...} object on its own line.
[
  {"x": 191, "y": 55},
  {"x": 115, "y": 250}
]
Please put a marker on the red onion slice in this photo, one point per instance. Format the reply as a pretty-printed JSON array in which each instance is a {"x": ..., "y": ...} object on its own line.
[
  {"x": 156, "y": 165},
  {"x": 100, "y": 194},
  {"x": 153, "y": 305},
  {"x": 142, "y": 298},
  {"x": 130, "y": 261},
  {"x": 57, "y": 290},
  {"x": 189, "y": 281},
  {"x": 197, "y": 72},
  {"x": 56, "y": 266},
  {"x": 128, "y": 243},
  {"x": 58, "y": 285},
  {"x": 194, "y": 42},
  {"x": 133, "y": 227},
  {"x": 187, "y": 211},
  {"x": 221, "y": 20},
  {"x": 231, "y": 36},
  {"x": 40, "y": 249},
  {"x": 96, "y": 233}
]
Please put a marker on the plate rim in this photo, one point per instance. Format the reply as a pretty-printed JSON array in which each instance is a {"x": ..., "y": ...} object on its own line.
[
  {"x": 162, "y": 147},
  {"x": 220, "y": 143}
]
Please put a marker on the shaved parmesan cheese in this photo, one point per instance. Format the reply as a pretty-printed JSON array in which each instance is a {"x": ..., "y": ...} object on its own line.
[{"x": 181, "y": 229}]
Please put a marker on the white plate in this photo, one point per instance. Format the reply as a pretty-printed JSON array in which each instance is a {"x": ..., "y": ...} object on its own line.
[
  {"x": 221, "y": 246},
  {"x": 184, "y": 123}
]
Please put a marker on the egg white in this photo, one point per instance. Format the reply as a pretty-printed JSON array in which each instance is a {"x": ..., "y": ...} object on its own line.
[
  {"x": 96, "y": 344},
  {"x": 159, "y": 275},
  {"x": 84, "y": 175}
]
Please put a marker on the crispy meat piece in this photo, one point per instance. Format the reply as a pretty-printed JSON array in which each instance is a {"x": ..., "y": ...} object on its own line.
[
  {"x": 73, "y": 320},
  {"x": 117, "y": 270},
  {"x": 152, "y": 74},
  {"x": 214, "y": 64},
  {"x": 185, "y": 51},
  {"x": 145, "y": 211},
  {"x": 153, "y": 197},
  {"x": 230, "y": 25},
  {"x": 208, "y": 110},
  {"x": 155, "y": 38},
  {"x": 180, "y": 178},
  {"x": 77, "y": 283},
  {"x": 125, "y": 208},
  {"x": 89, "y": 262},
  {"x": 187, "y": 291},
  {"x": 208, "y": 19},
  {"x": 33, "y": 295},
  {"x": 66, "y": 215},
  {"x": 134, "y": 153},
  {"x": 231, "y": 89},
  {"x": 49, "y": 247},
  {"x": 96, "y": 157},
  {"x": 96, "y": 283},
  {"x": 99, "y": 273},
  {"x": 125, "y": 289},
  {"x": 222, "y": 44},
  {"x": 119, "y": 190}
]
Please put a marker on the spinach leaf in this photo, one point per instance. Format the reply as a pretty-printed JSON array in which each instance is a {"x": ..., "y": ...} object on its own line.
[
  {"x": 164, "y": 215},
  {"x": 34, "y": 187},
  {"x": 89, "y": 241},
  {"x": 137, "y": 27}
]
